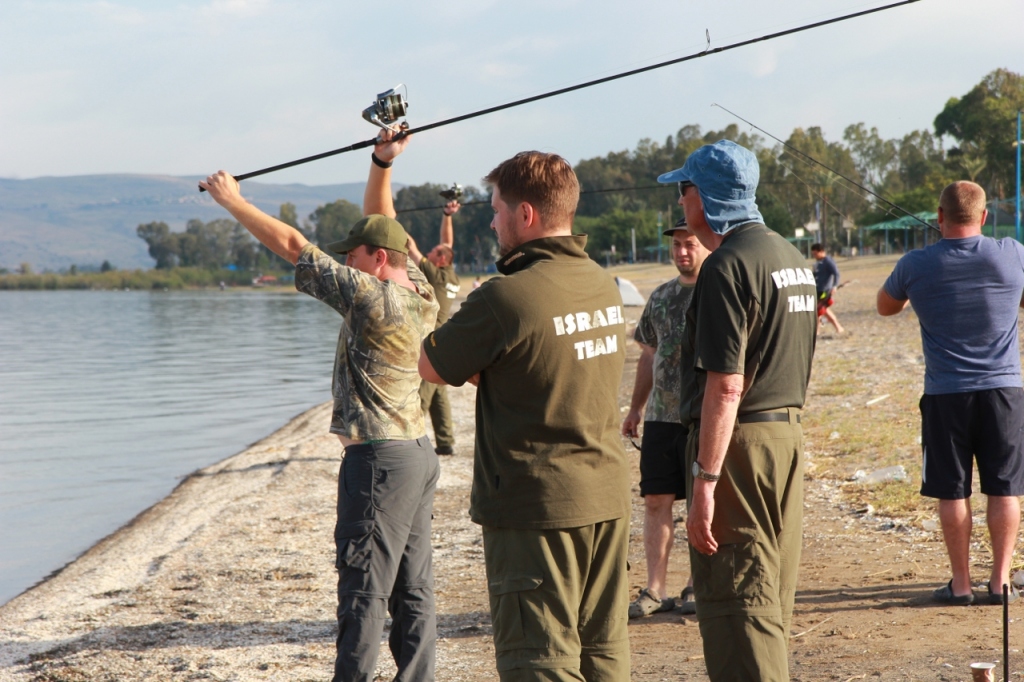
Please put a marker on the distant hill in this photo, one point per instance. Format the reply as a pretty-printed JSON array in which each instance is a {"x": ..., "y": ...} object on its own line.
[{"x": 54, "y": 223}]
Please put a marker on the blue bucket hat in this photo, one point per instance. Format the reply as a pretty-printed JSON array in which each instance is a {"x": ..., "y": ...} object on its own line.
[{"x": 726, "y": 176}]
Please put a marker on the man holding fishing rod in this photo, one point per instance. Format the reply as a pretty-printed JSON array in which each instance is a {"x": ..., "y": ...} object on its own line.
[
  {"x": 750, "y": 329},
  {"x": 389, "y": 472},
  {"x": 438, "y": 268}
]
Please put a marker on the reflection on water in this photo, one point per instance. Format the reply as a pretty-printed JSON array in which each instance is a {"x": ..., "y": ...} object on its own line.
[{"x": 107, "y": 399}]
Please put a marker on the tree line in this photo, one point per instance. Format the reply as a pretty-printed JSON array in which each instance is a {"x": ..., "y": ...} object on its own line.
[{"x": 910, "y": 171}]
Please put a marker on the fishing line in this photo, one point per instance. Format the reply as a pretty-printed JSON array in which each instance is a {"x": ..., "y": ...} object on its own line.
[
  {"x": 561, "y": 91},
  {"x": 831, "y": 170},
  {"x": 586, "y": 191}
]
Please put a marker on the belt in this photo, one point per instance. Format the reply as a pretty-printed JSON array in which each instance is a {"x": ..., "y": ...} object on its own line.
[{"x": 757, "y": 417}]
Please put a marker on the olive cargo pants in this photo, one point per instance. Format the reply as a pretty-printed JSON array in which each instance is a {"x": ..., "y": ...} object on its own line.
[
  {"x": 385, "y": 496},
  {"x": 558, "y": 602},
  {"x": 434, "y": 401},
  {"x": 745, "y": 591}
]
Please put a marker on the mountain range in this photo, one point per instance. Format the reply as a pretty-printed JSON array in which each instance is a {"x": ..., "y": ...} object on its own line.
[{"x": 52, "y": 223}]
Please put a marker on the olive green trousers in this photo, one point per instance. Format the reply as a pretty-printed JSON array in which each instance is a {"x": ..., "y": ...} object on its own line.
[
  {"x": 745, "y": 591},
  {"x": 434, "y": 401},
  {"x": 559, "y": 601}
]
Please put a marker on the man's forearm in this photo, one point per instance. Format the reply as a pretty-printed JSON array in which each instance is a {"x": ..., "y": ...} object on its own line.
[
  {"x": 377, "y": 197},
  {"x": 447, "y": 231},
  {"x": 644, "y": 379},
  {"x": 279, "y": 237},
  {"x": 722, "y": 395}
]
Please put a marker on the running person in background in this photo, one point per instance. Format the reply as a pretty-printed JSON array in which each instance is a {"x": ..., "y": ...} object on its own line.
[
  {"x": 826, "y": 280},
  {"x": 388, "y": 475},
  {"x": 438, "y": 268},
  {"x": 966, "y": 290},
  {"x": 658, "y": 385}
]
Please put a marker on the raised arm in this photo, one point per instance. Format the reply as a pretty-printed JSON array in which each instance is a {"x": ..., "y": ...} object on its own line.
[
  {"x": 281, "y": 238},
  {"x": 377, "y": 197},
  {"x": 447, "y": 231}
]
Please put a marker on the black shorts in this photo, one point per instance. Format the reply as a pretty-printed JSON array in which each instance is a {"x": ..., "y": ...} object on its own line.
[
  {"x": 984, "y": 425},
  {"x": 661, "y": 460}
]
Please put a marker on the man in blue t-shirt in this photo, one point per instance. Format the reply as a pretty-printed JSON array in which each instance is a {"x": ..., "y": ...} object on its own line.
[{"x": 966, "y": 290}]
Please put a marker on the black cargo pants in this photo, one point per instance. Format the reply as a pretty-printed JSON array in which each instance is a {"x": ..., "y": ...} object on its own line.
[{"x": 385, "y": 497}]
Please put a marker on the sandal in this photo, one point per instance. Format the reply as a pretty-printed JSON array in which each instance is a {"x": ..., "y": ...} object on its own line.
[
  {"x": 944, "y": 595},
  {"x": 649, "y": 602},
  {"x": 689, "y": 605},
  {"x": 995, "y": 598}
]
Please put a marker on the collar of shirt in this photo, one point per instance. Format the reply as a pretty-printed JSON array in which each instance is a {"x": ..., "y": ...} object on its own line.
[{"x": 546, "y": 248}]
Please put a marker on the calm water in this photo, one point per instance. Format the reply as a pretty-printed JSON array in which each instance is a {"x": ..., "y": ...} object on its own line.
[{"x": 107, "y": 399}]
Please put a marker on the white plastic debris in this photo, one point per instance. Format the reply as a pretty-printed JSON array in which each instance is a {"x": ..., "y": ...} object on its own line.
[
  {"x": 834, "y": 435},
  {"x": 1018, "y": 578},
  {"x": 930, "y": 525}
]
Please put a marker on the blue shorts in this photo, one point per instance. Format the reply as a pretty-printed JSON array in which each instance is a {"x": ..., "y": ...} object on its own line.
[{"x": 959, "y": 428}]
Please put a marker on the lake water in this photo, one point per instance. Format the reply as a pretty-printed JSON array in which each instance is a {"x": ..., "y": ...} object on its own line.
[{"x": 108, "y": 399}]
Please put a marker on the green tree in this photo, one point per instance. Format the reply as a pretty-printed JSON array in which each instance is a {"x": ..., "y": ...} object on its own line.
[
  {"x": 986, "y": 117},
  {"x": 106, "y": 266},
  {"x": 163, "y": 248},
  {"x": 331, "y": 222}
]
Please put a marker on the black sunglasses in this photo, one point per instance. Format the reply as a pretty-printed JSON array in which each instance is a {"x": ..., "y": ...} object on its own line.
[{"x": 683, "y": 184}]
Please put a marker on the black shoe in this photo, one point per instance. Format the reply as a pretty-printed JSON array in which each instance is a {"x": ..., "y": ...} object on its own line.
[
  {"x": 444, "y": 450},
  {"x": 996, "y": 598},
  {"x": 944, "y": 595}
]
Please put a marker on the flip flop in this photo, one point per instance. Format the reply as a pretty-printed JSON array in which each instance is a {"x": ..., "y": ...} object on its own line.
[{"x": 944, "y": 595}]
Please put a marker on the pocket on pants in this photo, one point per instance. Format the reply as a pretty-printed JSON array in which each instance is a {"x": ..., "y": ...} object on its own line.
[
  {"x": 735, "y": 573},
  {"x": 516, "y": 609},
  {"x": 355, "y": 545}
]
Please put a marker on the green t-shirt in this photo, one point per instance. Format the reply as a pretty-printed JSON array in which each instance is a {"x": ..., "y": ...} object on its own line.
[
  {"x": 753, "y": 313},
  {"x": 446, "y": 287},
  {"x": 662, "y": 326},
  {"x": 548, "y": 341},
  {"x": 376, "y": 378}
]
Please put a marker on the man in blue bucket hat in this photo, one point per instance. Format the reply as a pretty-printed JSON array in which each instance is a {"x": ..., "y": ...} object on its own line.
[{"x": 750, "y": 330}]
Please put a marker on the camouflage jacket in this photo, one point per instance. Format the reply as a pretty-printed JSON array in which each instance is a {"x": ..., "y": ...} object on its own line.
[
  {"x": 662, "y": 326},
  {"x": 376, "y": 381}
]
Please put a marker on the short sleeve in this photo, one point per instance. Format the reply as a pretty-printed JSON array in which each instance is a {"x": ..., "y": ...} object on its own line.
[
  {"x": 721, "y": 323},
  {"x": 645, "y": 332},
  {"x": 327, "y": 280},
  {"x": 896, "y": 284},
  {"x": 468, "y": 343}
]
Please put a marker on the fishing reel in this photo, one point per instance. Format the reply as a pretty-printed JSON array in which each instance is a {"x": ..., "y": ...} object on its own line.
[
  {"x": 454, "y": 193},
  {"x": 387, "y": 109}
]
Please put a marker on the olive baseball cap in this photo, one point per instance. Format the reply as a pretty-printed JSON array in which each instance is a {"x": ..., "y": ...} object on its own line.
[
  {"x": 680, "y": 225},
  {"x": 373, "y": 230}
]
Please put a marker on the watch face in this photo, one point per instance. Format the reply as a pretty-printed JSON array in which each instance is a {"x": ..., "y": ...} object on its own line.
[{"x": 696, "y": 468}]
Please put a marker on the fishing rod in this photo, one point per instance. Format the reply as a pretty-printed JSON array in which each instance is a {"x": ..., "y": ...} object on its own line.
[
  {"x": 451, "y": 196},
  {"x": 390, "y": 105},
  {"x": 828, "y": 168}
]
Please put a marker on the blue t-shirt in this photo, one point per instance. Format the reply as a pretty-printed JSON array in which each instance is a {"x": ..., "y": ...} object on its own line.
[{"x": 966, "y": 293}]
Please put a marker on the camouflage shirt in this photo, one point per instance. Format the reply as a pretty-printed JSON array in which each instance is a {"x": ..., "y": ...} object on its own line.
[
  {"x": 662, "y": 326},
  {"x": 376, "y": 381}
]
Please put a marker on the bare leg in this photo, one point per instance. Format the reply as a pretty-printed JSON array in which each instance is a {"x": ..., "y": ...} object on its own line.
[
  {"x": 955, "y": 516},
  {"x": 1003, "y": 521},
  {"x": 658, "y": 537},
  {"x": 831, "y": 317}
]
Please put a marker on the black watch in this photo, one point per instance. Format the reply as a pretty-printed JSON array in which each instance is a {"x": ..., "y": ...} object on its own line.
[{"x": 699, "y": 472}]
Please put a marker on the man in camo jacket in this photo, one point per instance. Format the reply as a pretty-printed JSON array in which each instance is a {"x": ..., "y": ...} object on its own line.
[{"x": 389, "y": 472}]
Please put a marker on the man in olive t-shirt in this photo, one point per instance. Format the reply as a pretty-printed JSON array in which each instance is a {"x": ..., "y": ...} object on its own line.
[
  {"x": 438, "y": 268},
  {"x": 546, "y": 346},
  {"x": 751, "y": 329}
]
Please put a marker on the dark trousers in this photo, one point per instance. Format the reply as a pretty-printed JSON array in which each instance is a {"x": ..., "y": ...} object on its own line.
[
  {"x": 385, "y": 496},
  {"x": 434, "y": 401}
]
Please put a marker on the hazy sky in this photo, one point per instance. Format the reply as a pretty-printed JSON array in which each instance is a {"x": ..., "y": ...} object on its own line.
[{"x": 189, "y": 86}]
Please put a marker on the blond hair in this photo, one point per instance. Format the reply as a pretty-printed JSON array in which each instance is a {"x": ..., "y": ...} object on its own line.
[
  {"x": 962, "y": 203},
  {"x": 545, "y": 181}
]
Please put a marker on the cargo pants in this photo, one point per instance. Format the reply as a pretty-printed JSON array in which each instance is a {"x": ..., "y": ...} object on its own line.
[
  {"x": 434, "y": 401},
  {"x": 559, "y": 601},
  {"x": 745, "y": 591},
  {"x": 385, "y": 497}
]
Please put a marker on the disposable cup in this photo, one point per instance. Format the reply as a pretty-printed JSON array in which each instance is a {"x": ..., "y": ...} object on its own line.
[{"x": 983, "y": 672}]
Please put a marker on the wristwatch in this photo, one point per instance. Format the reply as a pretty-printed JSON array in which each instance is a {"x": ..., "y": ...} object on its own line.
[{"x": 698, "y": 472}]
